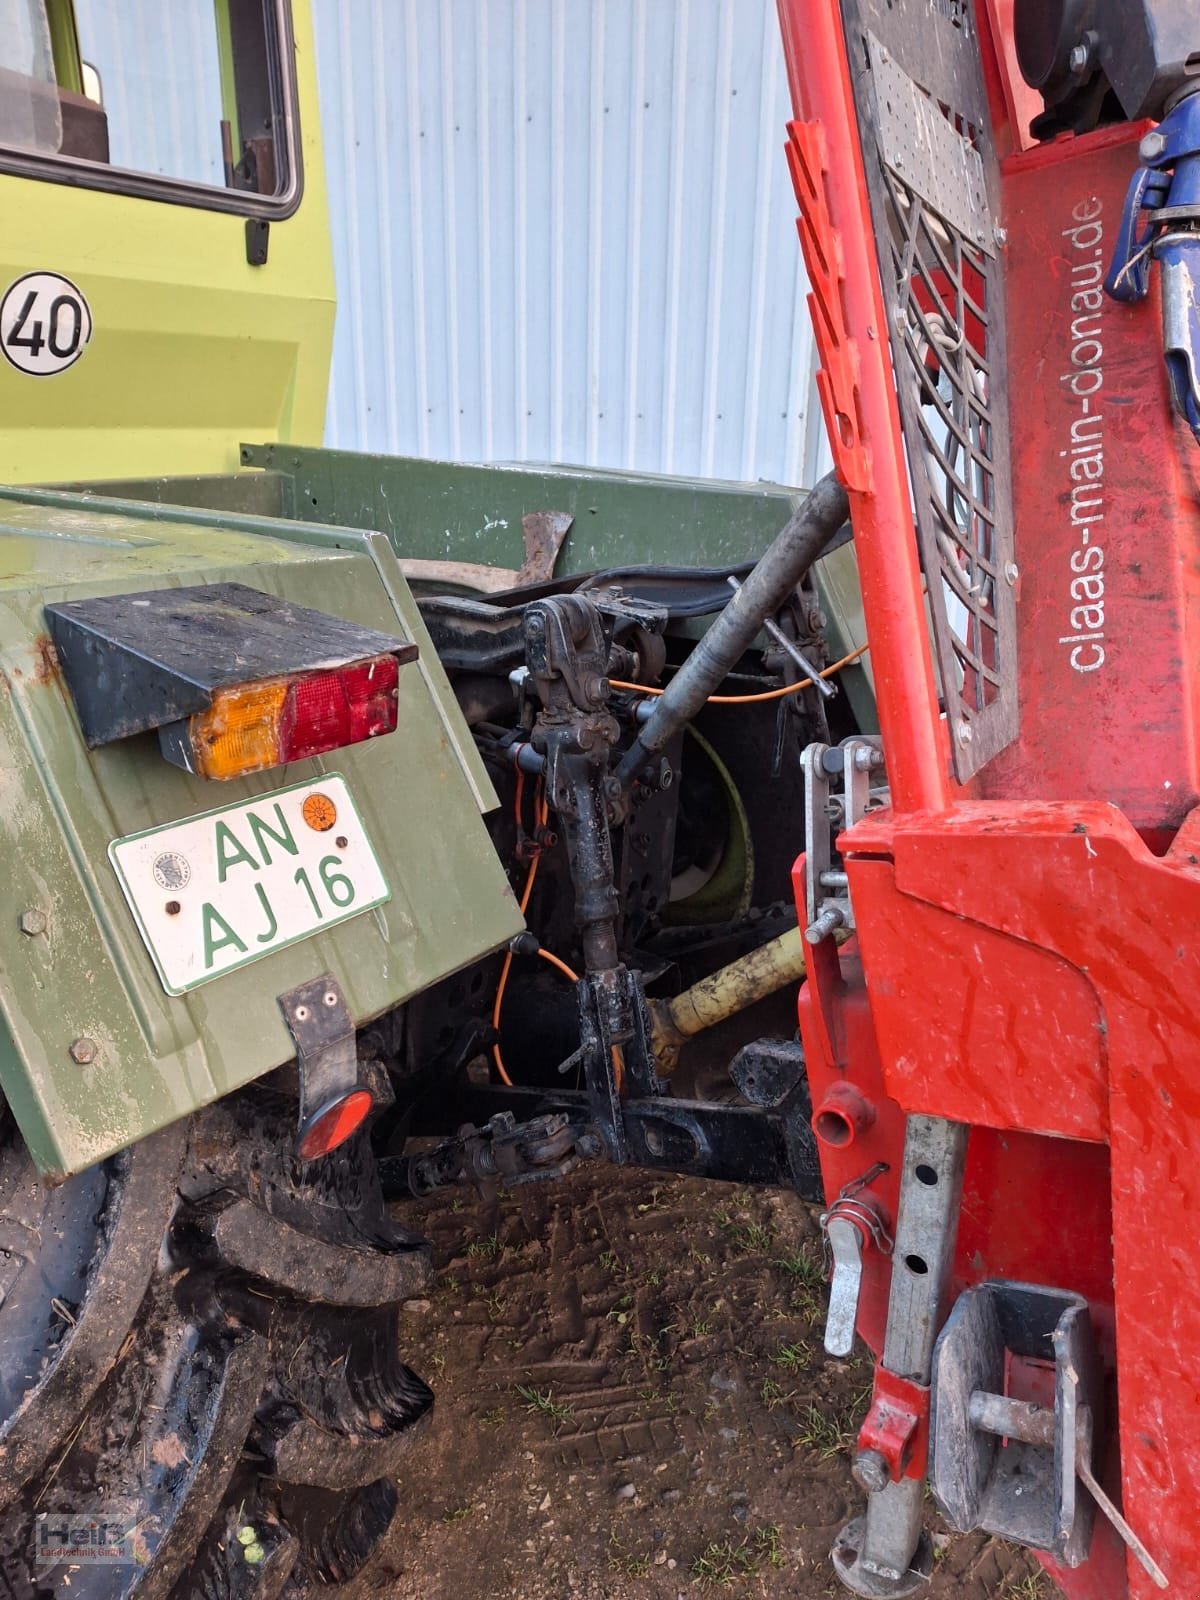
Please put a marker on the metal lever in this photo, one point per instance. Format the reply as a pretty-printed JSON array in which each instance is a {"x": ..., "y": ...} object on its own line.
[
  {"x": 845, "y": 1246},
  {"x": 791, "y": 649},
  {"x": 852, "y": 1221}
]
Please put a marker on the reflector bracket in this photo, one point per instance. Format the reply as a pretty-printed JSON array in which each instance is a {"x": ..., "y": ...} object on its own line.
[{"x": 333, "y": 1103}]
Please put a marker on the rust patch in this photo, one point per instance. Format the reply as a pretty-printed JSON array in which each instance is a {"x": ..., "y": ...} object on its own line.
[
  {"x": 544, "y": 532},
  {"x": 47, "y": 667}
]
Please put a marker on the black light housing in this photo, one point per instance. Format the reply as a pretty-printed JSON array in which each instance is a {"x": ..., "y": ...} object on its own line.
[{"x": 135, "y": 662}]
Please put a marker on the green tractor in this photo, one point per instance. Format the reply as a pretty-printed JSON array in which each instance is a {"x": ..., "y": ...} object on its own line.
[{"x": 368, "y": 826}]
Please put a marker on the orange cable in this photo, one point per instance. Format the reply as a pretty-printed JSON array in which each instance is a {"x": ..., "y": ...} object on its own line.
[
  {"x": 518, "y": 795},
  {"x": 618, "y": 1061},
  {"x": 542, "y": 814},
  {"x": 562, "y": 966},
  {"x": 753, "y": 699},
  {"x": 501, "y": 1069}
]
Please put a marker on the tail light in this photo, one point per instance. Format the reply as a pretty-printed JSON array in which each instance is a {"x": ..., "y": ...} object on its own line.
[
  {"x": 234, "y": 680},
  {"x": 330, "y": 709},
  {"x": 254, "y": 726}
]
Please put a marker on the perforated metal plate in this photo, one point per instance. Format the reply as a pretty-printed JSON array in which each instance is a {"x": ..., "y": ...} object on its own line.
[
  {"x": 934, "y": 188},
  {"x": 922, "y": 147}
]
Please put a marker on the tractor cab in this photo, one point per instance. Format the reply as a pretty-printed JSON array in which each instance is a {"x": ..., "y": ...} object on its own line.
[{"x": 166, "y": 256}]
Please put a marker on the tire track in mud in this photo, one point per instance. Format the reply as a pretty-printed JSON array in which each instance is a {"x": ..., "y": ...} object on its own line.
[{"x": 634, "y": 1400}]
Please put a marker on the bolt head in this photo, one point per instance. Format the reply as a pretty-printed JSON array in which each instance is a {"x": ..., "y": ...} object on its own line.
[
  {"x": 33, "y": 922},
  {"x": 84, "y": 1051},
  {"x": 1011, "y": 572},
  {"x": 1079, "y": 58},
  {"x": 1152, "y": 145},
  {"x": 870, "y": 1471},
  {"x": 963, "y": 731}
]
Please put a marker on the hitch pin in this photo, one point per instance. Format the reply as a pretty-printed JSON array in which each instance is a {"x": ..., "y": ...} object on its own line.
[{"x": 797, "y": 655}]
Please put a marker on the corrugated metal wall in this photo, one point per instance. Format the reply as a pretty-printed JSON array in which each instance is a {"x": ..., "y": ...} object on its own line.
[
  {"x": 161, "y": 78},
  {"x": 564, "y": 231}
]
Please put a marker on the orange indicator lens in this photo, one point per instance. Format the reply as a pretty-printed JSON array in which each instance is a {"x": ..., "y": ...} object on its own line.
[{"x": 239, "y": 733}]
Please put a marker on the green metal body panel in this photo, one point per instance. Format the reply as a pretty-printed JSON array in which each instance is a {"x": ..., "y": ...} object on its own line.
[
  {"x": 88, "y": 975},
  {"x": 441, "y": 510},
  {"x": 447, "y": 511}
]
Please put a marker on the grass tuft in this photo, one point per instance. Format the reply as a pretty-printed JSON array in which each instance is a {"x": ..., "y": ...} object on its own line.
[
  {"x": 627, "y": 1561},
  {"x": 723, "y": 1562},
  {"x": 545, "y": 1404},
  {"x": 792, "y": 1357},
  {"x": 828, "y": 1433},
  {"x": 486, "y": 1249},
  {"x": 803, "y": 1266}
]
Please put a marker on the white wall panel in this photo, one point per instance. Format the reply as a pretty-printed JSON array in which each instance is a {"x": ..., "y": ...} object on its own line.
[
  {"x": 160, "y": 71},
  {"x": 564, "y": 230}
]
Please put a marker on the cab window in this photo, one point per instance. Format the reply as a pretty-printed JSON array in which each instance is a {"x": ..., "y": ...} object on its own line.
[{"x": 184, "y": 100}]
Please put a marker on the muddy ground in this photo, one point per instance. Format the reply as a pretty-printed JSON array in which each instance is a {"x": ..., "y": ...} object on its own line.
[{"x": 633, "y": 1402}]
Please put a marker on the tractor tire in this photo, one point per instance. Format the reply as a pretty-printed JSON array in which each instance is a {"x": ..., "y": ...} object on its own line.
[{"x": 199, "y": 1348}]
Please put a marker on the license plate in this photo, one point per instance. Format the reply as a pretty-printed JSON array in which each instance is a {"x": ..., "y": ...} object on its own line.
[{"x": 222, "y": 889}]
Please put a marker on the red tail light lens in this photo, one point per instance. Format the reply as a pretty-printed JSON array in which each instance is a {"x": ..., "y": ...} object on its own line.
[
  {"x": 371, "y": 695},
  {"x": 327, "y": 710},
  {"x": 315, "y": 717},
  {"x": 251, "y": 727}
]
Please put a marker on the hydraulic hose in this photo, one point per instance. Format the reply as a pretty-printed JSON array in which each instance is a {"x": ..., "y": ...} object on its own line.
[{"x": 777, "y": 573}]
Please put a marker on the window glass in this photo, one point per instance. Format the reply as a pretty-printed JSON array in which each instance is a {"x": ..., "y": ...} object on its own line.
[
  {"x": 159, "y": 67},
  {"x": 29, "y": 109},
  {"x": 184, "y": 100}
]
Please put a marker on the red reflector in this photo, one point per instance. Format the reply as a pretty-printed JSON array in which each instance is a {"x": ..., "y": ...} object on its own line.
[
  {"x": 334, "y": 1124},
  {"x": 327, "y": 710}
]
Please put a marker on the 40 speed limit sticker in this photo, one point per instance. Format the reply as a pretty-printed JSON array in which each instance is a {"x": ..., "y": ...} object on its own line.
[{"x": 45, "y": 324}]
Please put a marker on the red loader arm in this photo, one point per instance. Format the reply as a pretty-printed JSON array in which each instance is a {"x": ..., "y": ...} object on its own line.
[{"x": 1005, "y": 1058}]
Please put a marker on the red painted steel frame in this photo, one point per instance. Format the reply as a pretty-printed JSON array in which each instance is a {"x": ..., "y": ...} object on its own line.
[
  {"x": 862, "y": 417},
  {"x": 1026, "y": 959}
]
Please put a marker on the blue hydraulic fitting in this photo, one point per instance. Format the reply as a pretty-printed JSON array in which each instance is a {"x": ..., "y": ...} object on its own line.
[{"x": 1161, "y": 222}]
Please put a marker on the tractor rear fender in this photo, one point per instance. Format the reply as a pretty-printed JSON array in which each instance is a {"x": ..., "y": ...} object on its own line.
[{"x": 94, "y": 1052}]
